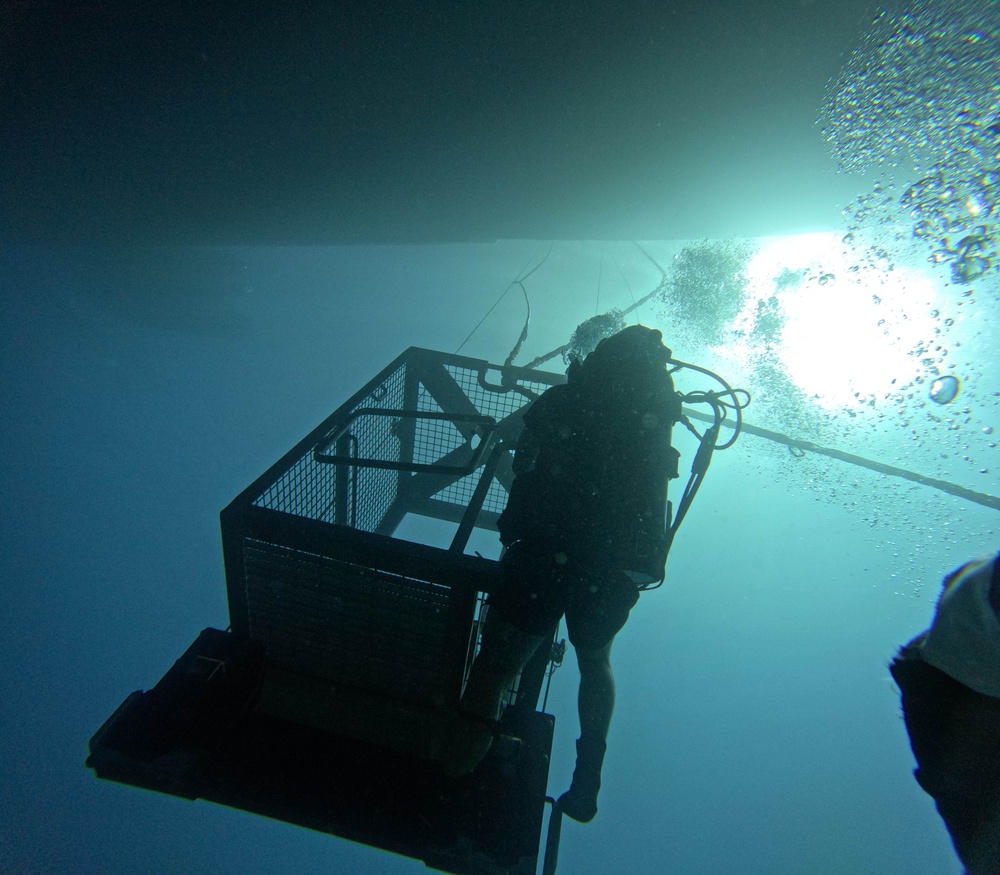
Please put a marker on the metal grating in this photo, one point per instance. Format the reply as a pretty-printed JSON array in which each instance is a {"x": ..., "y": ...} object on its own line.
[
  {"x": 493, "y": 403},
  {"x": 499, "y": 405},
  {"x": 310, "y": 489},
  {"x": 433, "y": 438},
  {"x": 303, "y": 491},
  {"x": 350, "y": 624},
  {"x": 313, "y": 571},
  {"x": 372, "y": 498}
]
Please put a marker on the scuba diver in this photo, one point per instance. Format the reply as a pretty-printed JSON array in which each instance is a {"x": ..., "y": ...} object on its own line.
[
  {"x": 584, "y": 531},
  {"x": 949, "y": 678}
]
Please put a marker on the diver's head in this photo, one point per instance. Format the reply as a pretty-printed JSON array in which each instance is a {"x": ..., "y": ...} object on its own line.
[
  {"x": 636, "y": 351},
  {"x": 635, "y": 345}
]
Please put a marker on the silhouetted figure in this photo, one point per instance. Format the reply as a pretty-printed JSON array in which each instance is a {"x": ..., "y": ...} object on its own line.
[
  {"x": 950, "y": 682},
  {"x": 584, "y": 528}
]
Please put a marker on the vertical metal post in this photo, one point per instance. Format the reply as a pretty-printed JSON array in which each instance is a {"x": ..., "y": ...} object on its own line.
[
  {"x": 551, "y": 857},
  {"x": 345, "y": 487},
  {"x": 471, "y": 513}
]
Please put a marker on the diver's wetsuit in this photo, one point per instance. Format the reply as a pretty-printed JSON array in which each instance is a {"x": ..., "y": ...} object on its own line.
[
  {"x": 584, "y": 527},
  {"x": 585, "y": 520},
  {"x": 954, "y": 722}
]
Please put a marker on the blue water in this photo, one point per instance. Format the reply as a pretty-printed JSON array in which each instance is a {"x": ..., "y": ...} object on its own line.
[{"x": 757, "y": 728}]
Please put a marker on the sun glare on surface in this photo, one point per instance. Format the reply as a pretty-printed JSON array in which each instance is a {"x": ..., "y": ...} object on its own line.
[{"x": 848, "y": 331}]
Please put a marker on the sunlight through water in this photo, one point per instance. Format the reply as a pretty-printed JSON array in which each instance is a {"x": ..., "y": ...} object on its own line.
[{"x": 850, "y": 328}]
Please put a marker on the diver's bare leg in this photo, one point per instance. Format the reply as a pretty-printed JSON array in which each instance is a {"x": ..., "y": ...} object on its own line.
[
  {"x": 596, "y": 704},
  {"x": 596, "y": 699}
]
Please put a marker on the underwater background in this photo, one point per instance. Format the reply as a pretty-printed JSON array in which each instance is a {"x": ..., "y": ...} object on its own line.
[{"x": 757, "y": 728}]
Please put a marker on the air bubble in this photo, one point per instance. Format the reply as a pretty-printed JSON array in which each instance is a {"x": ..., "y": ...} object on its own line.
[{"x": 945, "y": 389}]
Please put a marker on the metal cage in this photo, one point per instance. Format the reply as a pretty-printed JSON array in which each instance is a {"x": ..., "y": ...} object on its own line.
[
  {"x": 312, "y": 568},
  {"x": 329, "y": 703}
]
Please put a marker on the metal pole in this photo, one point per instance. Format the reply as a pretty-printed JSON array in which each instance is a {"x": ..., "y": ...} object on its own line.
[{"x": 552, "y": 839}]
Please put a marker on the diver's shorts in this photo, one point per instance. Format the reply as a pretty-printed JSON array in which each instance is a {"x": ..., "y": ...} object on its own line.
[{"x": 539, "y": 586}]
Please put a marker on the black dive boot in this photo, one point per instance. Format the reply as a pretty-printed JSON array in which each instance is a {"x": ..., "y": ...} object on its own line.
[{"x": 580, "y": 800}]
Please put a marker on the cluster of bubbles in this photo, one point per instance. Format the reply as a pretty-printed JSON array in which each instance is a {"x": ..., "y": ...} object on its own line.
[
  {"x": 934, "y": 419},
  {"x": 707, "y": 285},
  {"x": 920, "y": 100},
  {"x": 590, "y": 333}
]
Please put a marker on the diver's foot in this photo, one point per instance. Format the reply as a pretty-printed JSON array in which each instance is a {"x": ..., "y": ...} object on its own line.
[
  {"x": 580, "y": 800},
  {"x": 582, "y": 807}
]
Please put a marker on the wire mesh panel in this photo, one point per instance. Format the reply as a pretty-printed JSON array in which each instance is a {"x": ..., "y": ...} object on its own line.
[
  {"x": 312, "y": 569},
  {"x": 332, "y": 702},
  {"x": 382, "y": 452},
  {"x": 325, "y": 492},
  {"x": 350, "y": 624}
]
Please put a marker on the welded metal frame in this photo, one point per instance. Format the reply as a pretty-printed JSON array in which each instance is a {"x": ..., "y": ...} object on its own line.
[
  {"x": 486, "y": 410},
  {"x": 271, "y": 717}
]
